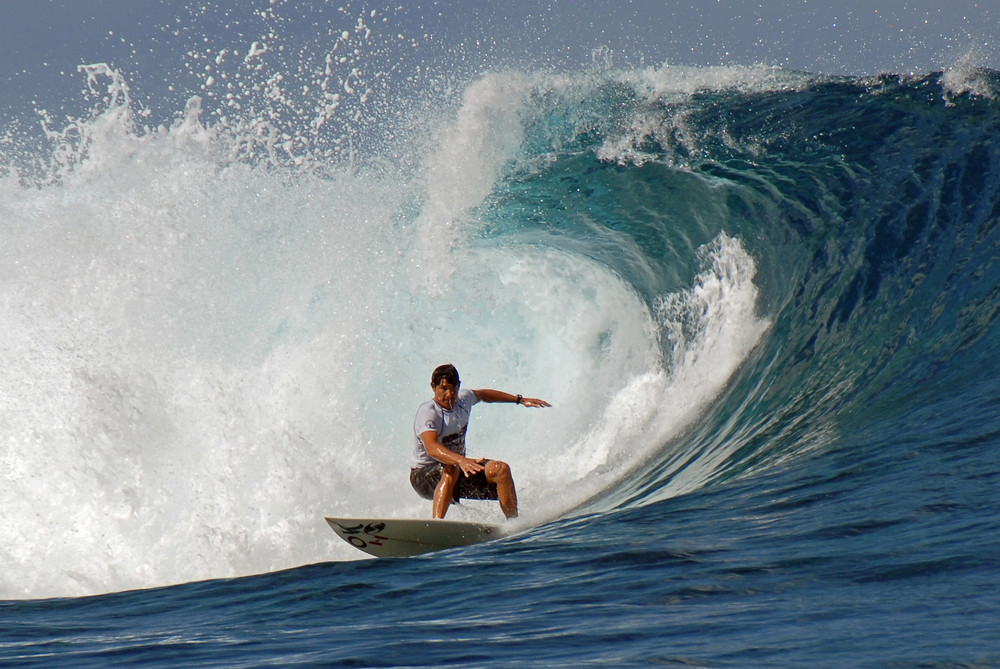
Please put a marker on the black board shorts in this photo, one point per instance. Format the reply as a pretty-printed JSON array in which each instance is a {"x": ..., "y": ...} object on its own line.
[{"x": 425, "y": 480}]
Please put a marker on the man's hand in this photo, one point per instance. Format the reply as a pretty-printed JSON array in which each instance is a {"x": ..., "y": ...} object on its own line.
[
  {"x": 533, "y": 402},
  {"x": 471, "y": 467}
]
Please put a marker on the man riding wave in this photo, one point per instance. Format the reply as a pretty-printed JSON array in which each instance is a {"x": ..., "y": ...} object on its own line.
[{"x": 439, "y": 469}]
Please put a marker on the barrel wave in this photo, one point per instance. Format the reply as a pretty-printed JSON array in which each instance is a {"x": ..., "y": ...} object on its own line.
[{"x": 718, "y": 276}]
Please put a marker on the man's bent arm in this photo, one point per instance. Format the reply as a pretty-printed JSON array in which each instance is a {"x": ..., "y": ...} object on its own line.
[{"x": 446, "y": 457}]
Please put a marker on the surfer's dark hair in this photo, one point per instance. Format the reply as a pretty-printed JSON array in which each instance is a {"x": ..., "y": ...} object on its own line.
[{"x": 444, "y": 373}]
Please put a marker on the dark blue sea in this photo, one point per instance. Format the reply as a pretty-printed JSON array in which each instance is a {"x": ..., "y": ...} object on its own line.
[{"x": 763, "y": 303}]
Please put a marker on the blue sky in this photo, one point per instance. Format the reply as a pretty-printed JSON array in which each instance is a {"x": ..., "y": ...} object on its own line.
[
  {"x": 45, "y": 40},
  {"x": 843, "y": 37}
]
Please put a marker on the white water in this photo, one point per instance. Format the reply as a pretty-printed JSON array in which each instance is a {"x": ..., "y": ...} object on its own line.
[{"x": 202, "y": 358}]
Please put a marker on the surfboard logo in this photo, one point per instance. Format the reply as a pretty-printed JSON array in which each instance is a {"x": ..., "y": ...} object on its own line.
[{"x": 363, "y": 535}]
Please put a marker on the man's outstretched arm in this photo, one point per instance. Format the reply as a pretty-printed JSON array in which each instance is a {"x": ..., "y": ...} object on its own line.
[{"x": 490, "y": 395}]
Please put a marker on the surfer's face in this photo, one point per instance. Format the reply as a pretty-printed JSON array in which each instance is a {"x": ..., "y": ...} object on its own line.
[{"x": 445, "y": 394}]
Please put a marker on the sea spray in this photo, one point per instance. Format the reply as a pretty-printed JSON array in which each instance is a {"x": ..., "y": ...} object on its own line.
[{"x": 210, "y": 351}]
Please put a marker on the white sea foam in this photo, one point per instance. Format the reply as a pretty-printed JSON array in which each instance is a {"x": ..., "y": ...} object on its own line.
[
  {"x": 188, "y": 358},
  {"x": 967, "y": 77},
  {"x": 463, "y": 167},
  {"x": 711, "y": 328},
  {"x": 203, "y": 356}
]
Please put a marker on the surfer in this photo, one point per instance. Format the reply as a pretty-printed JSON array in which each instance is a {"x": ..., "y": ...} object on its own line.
[{"x": 439, "y": 470}]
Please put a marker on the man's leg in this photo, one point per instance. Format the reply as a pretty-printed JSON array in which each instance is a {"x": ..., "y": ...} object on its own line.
[
  {"x": 445, "y": 489},
  {"x": 499, "y": 473}
]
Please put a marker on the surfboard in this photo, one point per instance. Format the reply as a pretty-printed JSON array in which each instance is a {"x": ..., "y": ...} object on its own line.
[{"x": 402, "y": 537}]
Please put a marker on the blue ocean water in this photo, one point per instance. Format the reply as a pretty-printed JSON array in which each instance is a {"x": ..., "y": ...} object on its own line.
[{"x": 763, "y": 303}]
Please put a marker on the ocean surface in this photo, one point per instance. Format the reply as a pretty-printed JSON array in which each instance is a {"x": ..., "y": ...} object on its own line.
[{"x": 762, "y": 302}]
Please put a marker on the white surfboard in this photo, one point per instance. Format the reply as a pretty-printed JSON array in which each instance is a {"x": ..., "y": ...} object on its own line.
[{"x": 401, "y": 537}]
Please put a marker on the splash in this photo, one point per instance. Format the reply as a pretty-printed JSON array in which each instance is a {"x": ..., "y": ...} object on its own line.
[
  {"x": 967, "y": 77},
  {"x": 211, "y": 344}
]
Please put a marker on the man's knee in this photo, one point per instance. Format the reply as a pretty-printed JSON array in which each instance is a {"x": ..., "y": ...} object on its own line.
[{"x": 497, "y": 470}]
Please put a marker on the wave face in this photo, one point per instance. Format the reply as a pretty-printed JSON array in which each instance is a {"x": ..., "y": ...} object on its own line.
[{"x": 217, "y": 330}]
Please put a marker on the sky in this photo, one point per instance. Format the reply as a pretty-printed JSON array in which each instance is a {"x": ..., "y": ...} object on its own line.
[
  {"x": 151, "y": 42},
  {"x": 842, "y": 37}
]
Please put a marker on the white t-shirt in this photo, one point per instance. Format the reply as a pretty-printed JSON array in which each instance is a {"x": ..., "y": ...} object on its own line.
[{"x": 450, "y": 426}]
